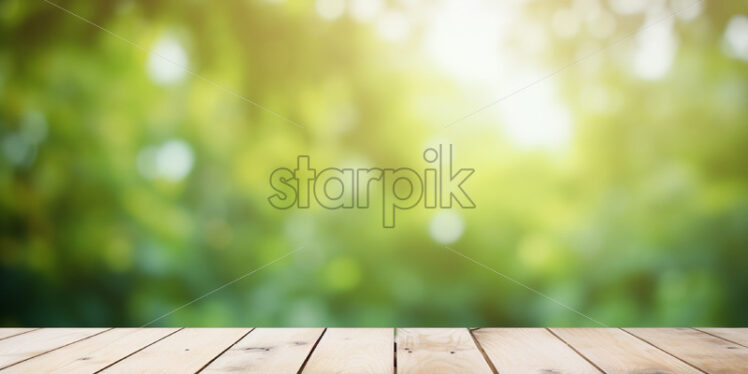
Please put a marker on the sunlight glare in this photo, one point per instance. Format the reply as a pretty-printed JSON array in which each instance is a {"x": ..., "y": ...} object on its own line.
[
  {"x": 167, "y": 61},
  {"x": 656, "y": 49},
  {"x": 446, "y": 227},
  {"x": 736, "y": 37},
  {"x": 464, "y": 38},
  {"x": 537, "y": 119}
]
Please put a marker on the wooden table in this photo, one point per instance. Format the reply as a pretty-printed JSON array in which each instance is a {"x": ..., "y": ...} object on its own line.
[{"x": 375, "y": 350}]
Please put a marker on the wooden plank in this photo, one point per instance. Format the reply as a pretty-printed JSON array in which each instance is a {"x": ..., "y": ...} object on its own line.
[
  {"x": 439, "y": 350},
  {"x": 355, "y": 350},
  {"x": 737, "y": 335},
  {"x": 706, "y": 352},
  {"x": 615, "y": 351},
  {"x": 33, "y": 343},
  {"x": 530, "y": 350},
  {"x": 272, "y": 351},
  {"x": 92, "y": 354},
  {"x": 187, "y": 350},
  {"x": 8, "y": 332}
]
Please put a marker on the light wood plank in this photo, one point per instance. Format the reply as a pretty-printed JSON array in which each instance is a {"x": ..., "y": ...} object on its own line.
[
  {"x": 8, "y": 332},
  {"x": 356, "y": 350},
  {"x": 92, "y": 354},
  {"x": 272, "y": 351},
  {"x": 706, "y": 352},
  {"x": 615, "y": 351},
  {"x": 530, "y": 350},
  {"x": 737, "y": 335},
  {"x": 30, "y": 344},
  {"x": 438, "y": 350},
  {"x": 187, "y": 350}
]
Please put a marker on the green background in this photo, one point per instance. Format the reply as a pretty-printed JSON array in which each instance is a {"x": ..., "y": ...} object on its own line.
[{"x": 125, "y": 194}]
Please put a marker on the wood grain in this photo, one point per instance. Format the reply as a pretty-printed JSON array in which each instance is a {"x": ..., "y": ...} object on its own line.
[
  {"x": 92, "y": 354},
  {"x": 336, "y": 350},
  {"x": 187, "y": 350},
  {"x": 34, "y": 343},
  {"x": 8, "y": 332},
  {"x": 706, "y": 352},
  {"x": 356, "y": 350},
  {"x": 615, "y": 351},
  {"x": 530, "y": 350},
  {"x": 737, "y": 335},
  {"x": 271, "y": 351},
  {"x": 438, "y": 350}
]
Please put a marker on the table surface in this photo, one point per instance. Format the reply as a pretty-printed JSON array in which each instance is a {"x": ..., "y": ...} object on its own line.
[{"x": 375, "y": 350}]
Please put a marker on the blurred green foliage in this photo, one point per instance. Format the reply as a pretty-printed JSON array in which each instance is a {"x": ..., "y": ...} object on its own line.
[{"x": 129, "y": 188}]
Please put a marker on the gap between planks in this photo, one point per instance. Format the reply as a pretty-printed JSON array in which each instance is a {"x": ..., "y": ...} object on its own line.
[
  {"x": 662, "y": 350},
  {"x": 314, "y": 348},
  {"x": 11, "y": 332},
  {"x": 691, "y": 349},
  {"x": 482, "y": 352},
  {"x": 575, "y": 350},
  {"x": 19, "y": 352},
  {"x": 705, "y": 352},
  {"x": 224, "y": 351}
]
